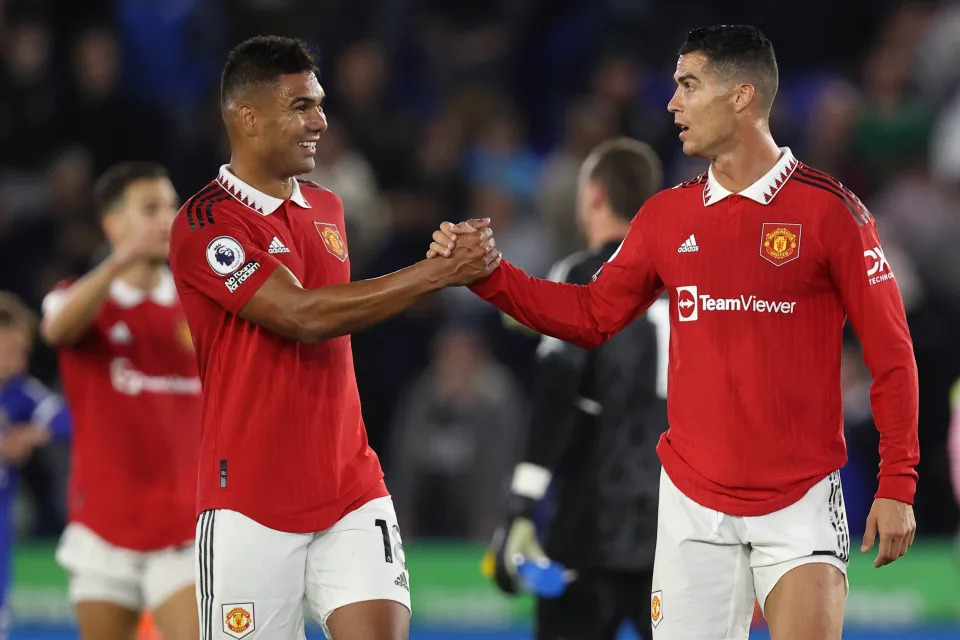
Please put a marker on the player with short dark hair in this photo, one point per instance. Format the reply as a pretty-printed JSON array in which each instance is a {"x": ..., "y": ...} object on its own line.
[
  {"x": 592, "y": 437},
  {"x": 764, "y": 258},
  {"x": 130, "y": 377},
  {"x": 291, "y": 499},
  {"x": 111, "y": 188}
]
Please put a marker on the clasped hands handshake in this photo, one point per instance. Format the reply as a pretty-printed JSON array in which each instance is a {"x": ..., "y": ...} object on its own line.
[{"x": 466, "y": 251}]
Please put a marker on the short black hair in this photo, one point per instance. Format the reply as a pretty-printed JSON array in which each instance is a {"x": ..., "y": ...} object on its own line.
[
  {"x": 739, "y": 52},
  {"x": 110, "y": 187},
  {"x": 629, "y": 171},
  {"x": 260, "y": 60}
]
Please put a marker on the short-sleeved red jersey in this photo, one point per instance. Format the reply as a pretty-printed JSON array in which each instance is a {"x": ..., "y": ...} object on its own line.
[
  {"x": 760, "y": 285},
  {"x": 132, "y": 387},
  {"x": 283, "y": 439}
]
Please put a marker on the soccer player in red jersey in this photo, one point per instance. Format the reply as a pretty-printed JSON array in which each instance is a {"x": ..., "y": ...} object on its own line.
[
  {"x": 130, "y": 378},
  {"x": 292, "y": 501},
  {"x": 764, "y": 259}
]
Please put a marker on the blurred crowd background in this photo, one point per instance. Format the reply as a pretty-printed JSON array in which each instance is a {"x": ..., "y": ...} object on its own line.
[{"x": 449, "y": 110}]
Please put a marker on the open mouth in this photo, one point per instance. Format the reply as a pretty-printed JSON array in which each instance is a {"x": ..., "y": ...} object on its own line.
[
  {"x": 309, "y": 145},
  {"x": 683, "y": 129}
]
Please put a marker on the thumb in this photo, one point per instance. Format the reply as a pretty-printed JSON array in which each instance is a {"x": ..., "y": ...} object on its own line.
[
  {"x": 479, "y": 223},
  {"x": 870, "y": 534}
]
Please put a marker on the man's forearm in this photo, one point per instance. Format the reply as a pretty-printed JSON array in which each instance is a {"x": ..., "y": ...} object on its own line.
[
  {"x": 327, "y": 312},
  {"x": 67, "y": 323},
  {"x": 555, "y": 309}
]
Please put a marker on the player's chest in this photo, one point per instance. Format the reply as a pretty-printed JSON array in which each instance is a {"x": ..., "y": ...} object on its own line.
[
  {"x": 743, "y": 248},
  {"x": 311, "y": 243},
  {"x": 148, "y": 333}
]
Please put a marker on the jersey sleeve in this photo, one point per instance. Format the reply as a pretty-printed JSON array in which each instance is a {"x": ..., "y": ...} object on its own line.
[
  {"x": 872, "y": 301},
  {"x": 586, "y": 315},
  {"x": 221, "y": 261}
]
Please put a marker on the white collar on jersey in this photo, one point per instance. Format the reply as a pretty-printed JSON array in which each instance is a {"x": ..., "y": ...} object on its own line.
[
  {"x": 762, "y": 191},
  {"x": 126, "y": 296},
  {"x": 254, "y": 198}
]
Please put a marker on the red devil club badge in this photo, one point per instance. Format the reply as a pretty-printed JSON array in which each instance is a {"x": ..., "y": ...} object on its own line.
[
  {"x": 332, "y": 240},
  {"x": 780, "y": 242}
]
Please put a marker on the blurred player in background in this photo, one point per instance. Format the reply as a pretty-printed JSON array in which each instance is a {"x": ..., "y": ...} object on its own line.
[
  {"x": 30, "y": 415},
  {"x": 764, "y": 258},
  {"x": 292, "y": 502},
  {"x": 130, "y": 377},
  {"x": 594, "y": 430}
]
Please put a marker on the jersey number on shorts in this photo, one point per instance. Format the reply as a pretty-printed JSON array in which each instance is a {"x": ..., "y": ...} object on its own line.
[{"x": 388, "y": 552}]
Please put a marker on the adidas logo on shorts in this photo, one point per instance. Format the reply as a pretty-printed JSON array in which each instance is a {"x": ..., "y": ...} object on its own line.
[{"x": 401, "y": 581}]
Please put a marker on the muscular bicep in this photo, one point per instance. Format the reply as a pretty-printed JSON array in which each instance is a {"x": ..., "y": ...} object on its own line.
[{"x": 275, "y": 305}]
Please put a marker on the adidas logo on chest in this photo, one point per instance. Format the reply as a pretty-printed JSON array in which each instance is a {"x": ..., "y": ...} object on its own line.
[
  {"x": 689, "y": 245},
  {"x": 277, "y": 247}
]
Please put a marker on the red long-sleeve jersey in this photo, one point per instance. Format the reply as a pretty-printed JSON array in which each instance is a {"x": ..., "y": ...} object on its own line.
[{"x": 760, "y": 285}]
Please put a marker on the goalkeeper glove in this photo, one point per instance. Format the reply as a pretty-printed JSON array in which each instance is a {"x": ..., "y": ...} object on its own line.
[{"x": 515, "y": 542}]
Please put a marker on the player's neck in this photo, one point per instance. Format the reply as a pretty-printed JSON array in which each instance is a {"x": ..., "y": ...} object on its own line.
[
  {"x": 144, "y": 276},
  {"x": 265, "y": 181},
  {"x": 747, "y": 161},
  {"x": 612, "y": 231}
]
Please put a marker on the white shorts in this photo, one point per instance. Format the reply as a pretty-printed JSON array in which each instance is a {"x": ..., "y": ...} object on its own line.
[
  {"x": 103, "y": 572},
  {"x": 252, "y": 580},
  {"x": 710, "y": 566}
]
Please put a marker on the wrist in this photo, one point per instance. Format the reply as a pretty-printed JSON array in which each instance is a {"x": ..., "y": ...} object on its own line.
[{"x": 435, "y": 273}]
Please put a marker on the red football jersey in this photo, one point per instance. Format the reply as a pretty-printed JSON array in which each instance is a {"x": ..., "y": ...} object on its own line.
[
  {"x": 132, "y": 387},
  {"x": 760, "y": 285},
  {"x": 283, "y": 439}
]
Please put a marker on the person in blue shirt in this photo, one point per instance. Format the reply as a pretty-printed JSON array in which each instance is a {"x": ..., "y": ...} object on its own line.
[{"x": 30, "y": 415}]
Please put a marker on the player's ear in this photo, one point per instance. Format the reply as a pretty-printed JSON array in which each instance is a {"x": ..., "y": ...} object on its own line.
[
  {"x": 743, "y": 96},
  {"x": 596, "y": 196},
  {"x": 247, "y": 118},
  {"x": 112, "y": 224}
]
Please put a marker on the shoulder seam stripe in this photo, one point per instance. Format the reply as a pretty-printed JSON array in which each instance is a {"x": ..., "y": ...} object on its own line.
[
  {"x": 816, "y": 174},
  {"x": 846, "y": 204},
  {"x": 189, "y": 205},
  {"x": 197, "y": 209}
]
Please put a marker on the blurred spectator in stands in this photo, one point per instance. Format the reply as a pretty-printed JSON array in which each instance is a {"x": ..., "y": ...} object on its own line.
[
  {"x": 894, "y": 126},
  {"x": 29, "y": 94},
  {"x": 455, "y": 438},
  {"x": 100, "y": 117},
  {"x": 501, "y": 159},
  {"x": 359, "y": 101},
  {"x": 589, "y": 121},
  {"x": 58, "y": 236},
  {"x": 826, "y": 144},
  {"x": 345, "y": 171},
  {"x": 398, "y": 349},
  {"x": 938, "y": 55}
]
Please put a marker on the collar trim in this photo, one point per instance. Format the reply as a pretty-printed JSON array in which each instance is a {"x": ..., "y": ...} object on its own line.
[
  {"x": 254, "y": 199},
  {"x": 763, "y": 191}
]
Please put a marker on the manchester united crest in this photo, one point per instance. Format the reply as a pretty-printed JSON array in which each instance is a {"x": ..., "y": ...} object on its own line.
[
  {"x": 238, "y": 619},
  {"x": 780, "y": 242},
  {"x": 332, "y": 240},
  {"x": 183, "y": 336},
  {"x": 656, "y": 607}
]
